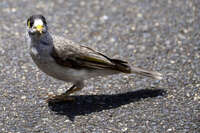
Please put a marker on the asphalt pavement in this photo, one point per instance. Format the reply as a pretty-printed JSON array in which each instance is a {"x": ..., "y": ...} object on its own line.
[{"x": 161, "y": 35}]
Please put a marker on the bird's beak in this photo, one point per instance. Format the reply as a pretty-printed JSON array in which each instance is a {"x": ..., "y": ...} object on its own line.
[{"x": 39, "y": 28}]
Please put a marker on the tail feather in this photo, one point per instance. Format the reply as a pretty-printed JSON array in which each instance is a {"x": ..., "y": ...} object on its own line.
[
  {"x": 152, "y": 74},
  {"x": 124, "y": 67},
  {"x": 121, "y": 65}
]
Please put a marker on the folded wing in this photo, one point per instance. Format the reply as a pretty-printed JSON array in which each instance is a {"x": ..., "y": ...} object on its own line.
[{"x": 70, "y": 54}]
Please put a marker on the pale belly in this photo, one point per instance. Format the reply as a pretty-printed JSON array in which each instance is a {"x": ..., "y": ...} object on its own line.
[{"x": 51, "y": 68}]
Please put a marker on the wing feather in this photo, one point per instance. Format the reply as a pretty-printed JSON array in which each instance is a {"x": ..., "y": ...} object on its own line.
[{"x": 70, "y": 54}]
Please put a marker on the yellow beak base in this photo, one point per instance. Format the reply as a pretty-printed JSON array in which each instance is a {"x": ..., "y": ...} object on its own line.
[{"x": 39, "y": 28}]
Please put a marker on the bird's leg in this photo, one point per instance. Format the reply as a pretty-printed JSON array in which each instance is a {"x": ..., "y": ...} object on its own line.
[
  {"x": 76, "y": 87},
  {"x": 72, "y": 90},
  {"x": 62, "y": 97},
  {"x": 65, "y": 96}
]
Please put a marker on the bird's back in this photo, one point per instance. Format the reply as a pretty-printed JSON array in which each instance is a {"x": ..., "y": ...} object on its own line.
[{"x": 83, "y": 56}]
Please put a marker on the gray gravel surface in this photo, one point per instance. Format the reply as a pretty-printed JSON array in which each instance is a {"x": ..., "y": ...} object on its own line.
[{"x": 161, "y": 35}]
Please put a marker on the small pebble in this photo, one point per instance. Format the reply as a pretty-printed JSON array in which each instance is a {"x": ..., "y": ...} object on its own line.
[{"x": 23, "y": 97}]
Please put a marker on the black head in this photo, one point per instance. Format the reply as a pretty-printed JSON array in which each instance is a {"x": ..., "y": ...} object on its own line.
[{"x": 37, "y": 24}]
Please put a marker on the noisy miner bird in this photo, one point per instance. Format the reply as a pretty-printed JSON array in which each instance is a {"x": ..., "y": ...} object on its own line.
[{"x": 68, "y": 61}]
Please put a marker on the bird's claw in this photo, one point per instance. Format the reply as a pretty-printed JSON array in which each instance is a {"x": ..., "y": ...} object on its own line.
[{"x": 60, "y": 98}]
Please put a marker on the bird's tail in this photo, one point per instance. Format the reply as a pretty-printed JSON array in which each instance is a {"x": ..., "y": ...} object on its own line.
[
  {"x": 147, "y": 73},
  {"x": 123, "y": 66}
]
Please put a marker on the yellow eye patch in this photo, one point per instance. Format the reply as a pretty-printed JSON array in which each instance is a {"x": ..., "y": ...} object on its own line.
[{"x": 29, "y": 23}]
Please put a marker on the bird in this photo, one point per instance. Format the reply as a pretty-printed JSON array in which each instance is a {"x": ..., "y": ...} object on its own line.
[{"x": 69, "y": 61}]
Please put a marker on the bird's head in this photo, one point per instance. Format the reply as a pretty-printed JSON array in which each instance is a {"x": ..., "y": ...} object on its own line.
[{"x": 36, "y": 25}]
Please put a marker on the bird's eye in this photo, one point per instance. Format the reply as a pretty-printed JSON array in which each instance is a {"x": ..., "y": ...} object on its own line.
[{"x": 30, "y": 23}]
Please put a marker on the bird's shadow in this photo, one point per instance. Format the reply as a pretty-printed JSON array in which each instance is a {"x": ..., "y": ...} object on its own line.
[{"x": 86, "y": 104}]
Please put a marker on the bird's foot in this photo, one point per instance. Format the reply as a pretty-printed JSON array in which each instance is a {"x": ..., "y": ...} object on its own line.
[{"x": 60, "y": 98}]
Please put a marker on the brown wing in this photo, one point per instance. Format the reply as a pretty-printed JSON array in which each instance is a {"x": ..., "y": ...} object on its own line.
[{"x": 70, "y": 54}]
